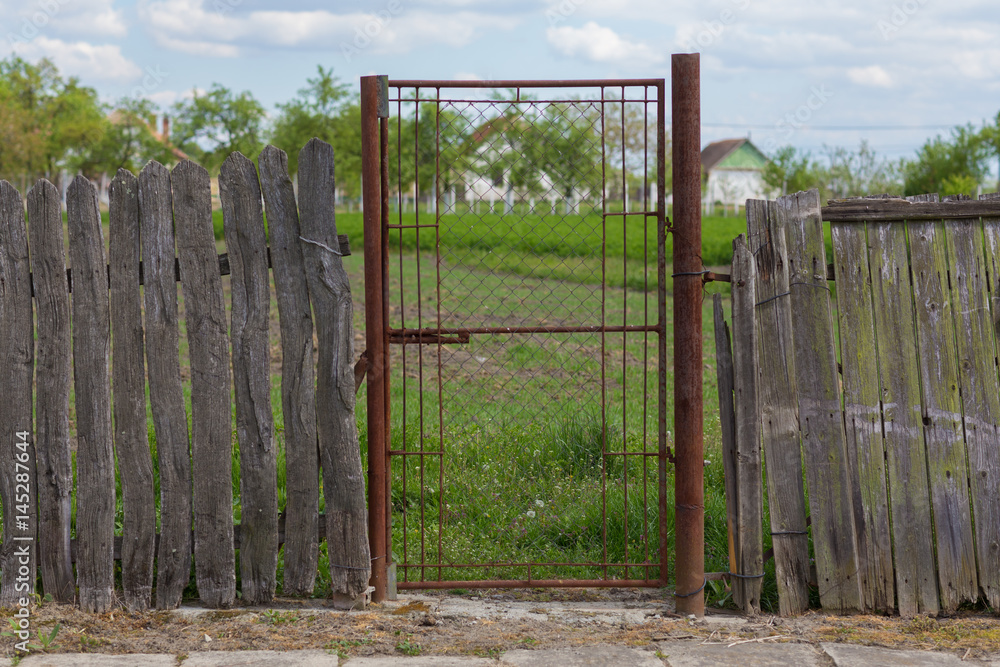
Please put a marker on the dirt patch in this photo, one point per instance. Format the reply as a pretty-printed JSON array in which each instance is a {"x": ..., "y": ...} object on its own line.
[{"x": 487, "y": 624}]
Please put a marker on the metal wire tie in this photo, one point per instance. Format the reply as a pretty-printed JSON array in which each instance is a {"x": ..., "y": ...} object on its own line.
[
  {"x": 687, "y": 595},
  {"x": 776, "y": 296}
]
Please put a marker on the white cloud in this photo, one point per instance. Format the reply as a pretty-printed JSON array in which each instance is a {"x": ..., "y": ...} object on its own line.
[
  {"x": 66, "y": 18},
  {"x": 599, "y": 44},
  {"x": 193, "y": 26},
  {"x": 873, "y": 75},
  {"x": 83, "y": 59}
]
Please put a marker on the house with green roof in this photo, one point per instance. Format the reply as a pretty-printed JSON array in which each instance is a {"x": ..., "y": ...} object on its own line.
[{"x": 734, "y": 172}]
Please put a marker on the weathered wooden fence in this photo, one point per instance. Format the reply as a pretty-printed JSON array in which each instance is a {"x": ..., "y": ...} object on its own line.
[
  {"x": 95, "y": 313},
  {"x": 891, "y": 402}
]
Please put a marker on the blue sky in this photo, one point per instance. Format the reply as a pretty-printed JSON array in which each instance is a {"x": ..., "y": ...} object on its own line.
[{"x": 800, "y": 72}]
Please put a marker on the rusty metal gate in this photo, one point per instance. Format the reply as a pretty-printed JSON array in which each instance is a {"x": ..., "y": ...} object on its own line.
[{"x": 519, "y": 381}]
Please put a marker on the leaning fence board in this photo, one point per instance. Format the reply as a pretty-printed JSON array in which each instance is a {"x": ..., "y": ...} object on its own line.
[
  {"x": 95, "y": 513},
  {"x": 824, "y": 442},
  {"x": 748, "y": 461},
  {"x": 17, "y": 351},
  {"x": 298, "y": 376},
  {"x": 863, "y": 415},
  {"x": 52, "y": 383},
  {"x": 899, "y": 379},
  {"x": 779, "y": 412},
  {"x": 942, "y": 413},
  {"x": 985, "y": 467},
  {"x": 980, "y": 399},
  {"x": 211, "y": 416},
  {"x": 243, "y": 223},
  {"x": 166, "y": 397},
  {"x": 727, "y": 419},
  {"x": 128, "y": 377},
  {"x": 330, "y": 293}
]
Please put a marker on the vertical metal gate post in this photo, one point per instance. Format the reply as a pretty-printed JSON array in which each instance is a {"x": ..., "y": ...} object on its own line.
[
  {"x": 374, "y": 105},
  {"x": 689, "y": 466}
]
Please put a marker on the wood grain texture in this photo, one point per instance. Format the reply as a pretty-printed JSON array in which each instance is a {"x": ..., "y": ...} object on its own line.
[
  {"x": 17, "y": 357},
  {"x": 863, "y": 415},
  {"x": 977, "y": 369},
  {"x": 942, "y": 414},
  {"x": 298, "y": 376},
  {"x": 340, "y": 454},
  {"x": 748, "y": 429},
  {"x": 95, "y": 464},
  {"x": 52, "y": 384},
  {"x": 984, "y": 467},
  {"x": 727, "y": 419},
  {"x": 128, "y": 378},
  {"x": 243, "y": 223},
  {"x": 906, "y": 453},
  {"x": 173, "y": 558},
  {"x": 828, "y": 470},
  {"x": 779, "y": 409},
  {"x": 911, "y": 208},
  {"x": 211, "y": 411}
]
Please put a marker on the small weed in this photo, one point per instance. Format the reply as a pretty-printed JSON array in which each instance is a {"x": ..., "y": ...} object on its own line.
[
  {"x": 46, "y": 642},
  {"x": 276, "y": 617},
  {"x": 457, "y": 591},
  {"x": 341, "y": 646},
  {"x": 408, "y": 647},
  {"x": 181, "y": 658}
]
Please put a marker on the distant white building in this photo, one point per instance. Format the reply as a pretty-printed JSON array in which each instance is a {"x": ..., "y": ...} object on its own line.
[{"x": 734, "y": 169}]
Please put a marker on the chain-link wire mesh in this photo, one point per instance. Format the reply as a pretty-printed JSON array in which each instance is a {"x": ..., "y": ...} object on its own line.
[{"x": 525, "y": 260}]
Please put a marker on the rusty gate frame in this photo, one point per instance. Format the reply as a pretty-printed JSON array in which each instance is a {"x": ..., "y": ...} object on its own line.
[{"x": 688, "y": 279}]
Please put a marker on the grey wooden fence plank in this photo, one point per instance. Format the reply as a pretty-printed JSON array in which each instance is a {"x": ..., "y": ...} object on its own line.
[
  {"x": 984, "y": 468},
  {"x": 748, "y": 429},
  {"x": 298, "y": 376},
  {"x": 128, "y": 376},
  {"x": 977, "y": 369},
  {"x": 95, "y": 504},
  {"x": 173, "y": 558},
  {"x": 863, "y": 415},
  {"x": 727, "y": 418},
  {"x": 52, "y": 382},
  {"x": 246, "y": 242},
  {"x": 211, "y": 412},
  {"x": 17, "y": 356},
  {"x": 942, "y": 414},
  {"x": 906, "y": 454},
  {"x": 330, "y": 293},
  {"x": 779, "y": 410},
  {"x": 821, "y": 421}
]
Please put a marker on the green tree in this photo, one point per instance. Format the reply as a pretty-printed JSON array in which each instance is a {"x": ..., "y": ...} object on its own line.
[
  {"x": 211, "y": 126},
  {"x": 790, "y": 170},
  {"x": 325, "y": 108},
  {"x": 127, "y": 141},
  {"x": 860, "y": 173},
  {"x": 949, "y": 166}
]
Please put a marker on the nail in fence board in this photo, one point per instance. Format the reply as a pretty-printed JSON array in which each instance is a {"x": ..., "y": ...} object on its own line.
[
  {"x": 211, "y": 411},
  {"x": 863, "y": 415},
  {"x": 128, "y": 377},
  {"x": 779, "y": 410},
  {"x": 977, "y": 371},
  {"x": 17, "y": 351},
  {"x": 52, "y": 382},
  {"x": 906, "y": 452},
  {"x": 942, "y": 414},
  {"x": 95, "y": 514},
  {"x": 727, "y": 419},
  {"x": 984, "y": 462},
  {"x": 329, "y": 291},
  {"x": 821, "y": 422},
  {"x": 243, "y": 223},
  {"x": 298, "y": 376},
  {"x": 748, "y": 428},
  {"x": 173, "y": 558}
]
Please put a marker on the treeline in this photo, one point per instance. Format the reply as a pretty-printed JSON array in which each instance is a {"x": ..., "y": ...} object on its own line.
[{"x": 955, "y": 164}]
